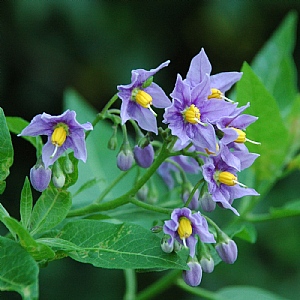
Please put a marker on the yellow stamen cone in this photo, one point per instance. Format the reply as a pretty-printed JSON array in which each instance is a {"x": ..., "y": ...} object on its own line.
[{"x": 185, "y": 228}]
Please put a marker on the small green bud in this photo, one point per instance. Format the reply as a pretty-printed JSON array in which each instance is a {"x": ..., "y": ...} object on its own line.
[{"x": 147, "y": 82}]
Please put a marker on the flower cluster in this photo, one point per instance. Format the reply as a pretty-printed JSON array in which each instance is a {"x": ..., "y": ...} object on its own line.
[
  {"x": 210, "y": 138},
  {"x": 205, "y": 135}
]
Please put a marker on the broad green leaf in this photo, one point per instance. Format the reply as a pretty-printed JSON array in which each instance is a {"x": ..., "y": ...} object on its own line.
[
  {"x": 274, "y": 64},
  {"x": 247, "y": 293},
  {"x": 118, "y": 246},
  {"x": 26, "y": 203},
  {"x": 6, "y": 151},
  {"x": 245, "y": 231},
  {"x": 18, "y": 271},
  {"x": 50, "y": 209},
  {"x": 17, "y": 124},
  {"x": 37, "y": 250},
  {"x": 269, "y": 129}
]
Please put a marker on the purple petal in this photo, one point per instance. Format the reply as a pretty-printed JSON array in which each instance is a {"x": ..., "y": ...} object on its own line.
[
  {"x": 144, "y": 75},
  {"x": 159, "y": 98},
  {"x": 199, "y": 67},
  {"x": 224, "y": 81}
]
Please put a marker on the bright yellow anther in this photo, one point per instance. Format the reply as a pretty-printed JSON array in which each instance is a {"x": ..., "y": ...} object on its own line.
[
  {"x": 143, "y": 99},
  {"x": 192, "y": 114},
  {"x": 185, "y": 228},
  {"x": 227, "y": 178},
  {"x": 241, "y": 136},
  {"x": 59, "y": 136},
  {"x": 215, "y": 93}
]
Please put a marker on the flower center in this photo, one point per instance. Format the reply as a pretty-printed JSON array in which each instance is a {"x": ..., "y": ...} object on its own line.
[
  {"x": 227, "y": 178},
  {"x": 143, "y": 99},
  {"x": 242, "y": 137},
  {"x": 59, "y": 136},
  {"x": 217, "y": 94},
  {"x": 192, "y": 114},
  {"x": 185, "y": 228}
]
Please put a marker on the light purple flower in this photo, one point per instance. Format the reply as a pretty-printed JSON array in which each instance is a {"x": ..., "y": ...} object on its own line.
[
  {"x": 183, "y": 227},
  {"x": 63, "y": 131},
  {"x": 222, "y": 182},
  {"x": 222, "y": 82},
  {"x": 125, "y": 158},
  {"x": 149, "y": 95},
  {"x": 191, "y": 116},
  {"x": 193, "y": 276}
]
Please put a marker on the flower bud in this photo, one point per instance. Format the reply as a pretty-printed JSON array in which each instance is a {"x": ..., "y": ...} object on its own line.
[
  {"x": 113, "y": 141},
  {"x": 165, "y": 245},
  {"x": 58, "y": 177},
  {"x": 207, "y": 203},
  {"x": 40, "y": 177},
  {"x": 125, "y": 158},
  {"x": 207, "y": 264},
  {"x": 193, "y": 276},
  {"x": 68, "y": 165},
  {"x": 228, "y": 251},
  {"x": 144, "y": 156},
  {"x": 142, "y": 193}
]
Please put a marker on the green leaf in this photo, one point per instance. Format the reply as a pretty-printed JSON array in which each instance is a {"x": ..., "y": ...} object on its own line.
[
  {"x": 17, "y": 124},
  {"x": 18, "y": 270},
  {"x": 275, "y": 67},
  {"x": 269, "y": 129},
  {"x": 50, "y": 209},
  {"x": 247, "y": 293},
  {"x": 6, "y": 151},
  {"x": 26, "y": 203},
  {"x": 37, "y": 250},
  {"x": 118, "y": 246}
]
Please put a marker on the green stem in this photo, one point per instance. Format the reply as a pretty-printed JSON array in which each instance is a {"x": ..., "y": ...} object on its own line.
[
  {"x": 150, "y": 207},
  {"x": 112, "y": 185},
  {"x": 127, "y": 197},
  {"x": 255, "y": 218},
  {"x": 100, "y": 116},
  {"x": 97, "y": 207},
  {"x": 193, "y": 192},
  {"x": 198, "y": 291},
  {"x": 159, "y": 286},
  {"x": 130, "y": 284}
]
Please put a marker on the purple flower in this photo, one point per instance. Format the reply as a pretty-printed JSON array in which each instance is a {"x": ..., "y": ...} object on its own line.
[
  {"x": 144, "y": 156},
  {"x": 233, "y": 126},
  {"x": 40, "y": 177},
  {"x": 222, "y": 182},
  {"x": 227, "y": 250},
  {"x": 136, "y": 99},
  {"x": 183, "y": 227},
  {"x": 193, "y": 276},
  {"x": 191, "y": 116},
  {"x": 63, "y": 132},
  {"x": 219, "y": 83}
]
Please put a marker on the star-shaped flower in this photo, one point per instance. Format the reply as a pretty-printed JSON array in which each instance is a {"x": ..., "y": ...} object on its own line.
[
  {"x": 138, "y": 96},
  {"x": 191, "y": 115},
  {"x": 63, "y": 131}
]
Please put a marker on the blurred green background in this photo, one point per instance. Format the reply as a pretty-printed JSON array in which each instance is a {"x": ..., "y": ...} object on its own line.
[{"x": 92, "y": 46}]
